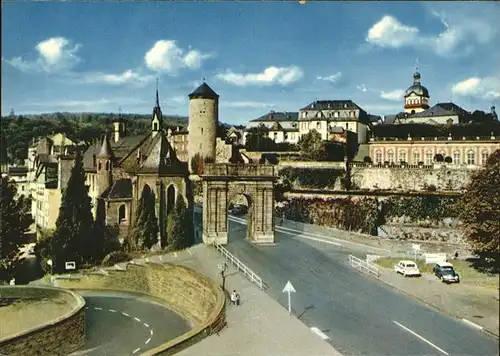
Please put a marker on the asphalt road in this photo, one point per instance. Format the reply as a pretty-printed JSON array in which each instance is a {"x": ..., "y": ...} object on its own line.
[
  {"x": 360, "y": 315},
  {"x": 125, "y": 324}
]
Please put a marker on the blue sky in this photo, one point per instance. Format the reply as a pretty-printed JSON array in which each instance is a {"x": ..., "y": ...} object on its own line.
[{"x": 258, "y": 56}]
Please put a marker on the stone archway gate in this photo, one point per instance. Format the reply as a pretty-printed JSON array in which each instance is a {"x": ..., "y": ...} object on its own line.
[{"x": 223, "y": 181}]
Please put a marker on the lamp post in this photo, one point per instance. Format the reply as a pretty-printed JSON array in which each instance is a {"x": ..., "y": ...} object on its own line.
[{"x": 223, "y": 269}]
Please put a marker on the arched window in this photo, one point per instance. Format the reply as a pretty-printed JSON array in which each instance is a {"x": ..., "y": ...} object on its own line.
[
  {"x": 416, "y": 157},
  {"x": 378, "y": 156},
  {"x": 428, "y": 158},
  {"x": 484, "y": 157},
  {"x": 456, "y": 157},
  {"x": 318, "y": 125},
  {"x": 170, "y": 198},
  {"x": 155, "y": 126},
  {"x": 99, "y": 166},
  {"x": 402, "y": 156},
  {"x": 390, "y": 156},
  {"x": 121, "y": 214},
  {"x": 107, "y": 165},
  {"x": 471, "y": 157}
]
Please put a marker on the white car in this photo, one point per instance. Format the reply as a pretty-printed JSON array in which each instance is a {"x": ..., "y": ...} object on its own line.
[{"x": 407, "y": 268}]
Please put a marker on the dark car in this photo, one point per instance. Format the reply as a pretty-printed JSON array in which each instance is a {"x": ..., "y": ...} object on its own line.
[{"x": 446, "y": 273}]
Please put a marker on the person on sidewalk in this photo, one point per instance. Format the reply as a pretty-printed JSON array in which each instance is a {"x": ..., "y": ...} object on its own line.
[{"x": 233, "y": 297}]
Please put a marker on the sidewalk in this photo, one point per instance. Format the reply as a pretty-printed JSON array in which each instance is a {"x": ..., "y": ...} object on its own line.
[
  {"x": 478, "y": 305},
  {"x": 259, "y": 326}
]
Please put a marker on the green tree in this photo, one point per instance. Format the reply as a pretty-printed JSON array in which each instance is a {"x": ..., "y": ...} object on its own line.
[
  {"x": 99, "y": 234},
  {"x": 71, "y": 240},
  {"x": 257, "y": 139},
  {"x": 312, "y": 146},
  {"x": 480, "y": 211},
  {"x": 145, "y": 231},
  {"x": 179, "y": 227},
  {"x": 15, "y": 221}
]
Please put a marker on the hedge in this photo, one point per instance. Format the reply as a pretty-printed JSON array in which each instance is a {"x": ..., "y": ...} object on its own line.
[{"x": 319, "y": 178}]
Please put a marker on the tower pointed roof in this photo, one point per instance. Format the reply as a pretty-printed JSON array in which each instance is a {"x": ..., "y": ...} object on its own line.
[
  {"x": 204, "y": 91},
  {"x": 105, "y": 151},
  {"x": 157, "y": 109}
]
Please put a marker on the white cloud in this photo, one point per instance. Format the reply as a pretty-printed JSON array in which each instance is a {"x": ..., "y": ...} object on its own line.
[
  {"x": 487, "y": 88},
  {"x": 128, "y": 77},
  {"x": 461, "y": 31},
  {"x": 362, "y": 87},
  {"x": 270, "y": 75},
  {"x": 395, "y": 95},
  {"x": 54, "y": 54},
  {"x": 247, "y": 104},
  {"x": 166, "y": 56},
  {"x": 331, "y": 78}
]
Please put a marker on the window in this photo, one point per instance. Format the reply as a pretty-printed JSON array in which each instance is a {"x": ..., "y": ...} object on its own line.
[
  {"x": 471, "y": 157},
  {"x": 428, "y": 158},
  {"x": 155, "y": 126},
  {"x": 378, "y": 157},
  {"x": 318, "y": 114},
  {"x": 390, "y": 156},
  {"x": 286, "y": 137},
  {"x": 201, "y": 130},
  {"x": 336, "y": 114},
  {"x": 304, "y": 115},
  {"x": 456, "y": 157},
  {"x": 318, "y": 125},
  {"x": 416, "y": 157},
  {"x": 484, "y": 157},
  {"x": 402, "y": 156},
  {"x": 347, "y": 126}
]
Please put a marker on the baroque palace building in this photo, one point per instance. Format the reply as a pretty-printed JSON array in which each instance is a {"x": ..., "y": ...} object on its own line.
[{"x": 450, "y": 142}]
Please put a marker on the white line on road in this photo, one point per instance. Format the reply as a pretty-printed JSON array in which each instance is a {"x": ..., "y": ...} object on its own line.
[
  {"x": 420, "y": 337},
  {"x": 125, "y": 314},
  {"x": 136, "y": 350},
  {"x": 311, "y": 238},
  {"x": 472, "y": 324},
  {"x": 151, "y": 331},
  {"x": 320, "y": 333},
  {"x": 147, "y": 341},
  {"x": 112, "y": 310},
  {"x": 146, "y": 325},
  {"x": 139, "y": 320},
  {"x": 190, "y": 252},
  {"x": 96, "y": 308}
]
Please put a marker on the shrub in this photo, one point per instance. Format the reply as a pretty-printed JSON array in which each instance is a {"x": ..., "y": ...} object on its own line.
[
  {"x": 448, "y": 159},
  {"x": 115, "y": 257},
  {"x": 367, "y": 159},
  {"x": 439, "y": 157}
]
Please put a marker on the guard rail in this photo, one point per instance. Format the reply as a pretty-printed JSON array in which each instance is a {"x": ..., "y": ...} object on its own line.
[{"x": 362, "y": 265}]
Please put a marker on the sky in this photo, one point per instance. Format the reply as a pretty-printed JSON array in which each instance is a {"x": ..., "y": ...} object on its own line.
[{"x": 258, "y": 56}]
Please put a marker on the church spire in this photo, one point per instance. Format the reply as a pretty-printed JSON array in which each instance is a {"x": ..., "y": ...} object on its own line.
[
  {"x": 157, "y": 121},
  {"x": 416, "y": 75},
  {"x": 157, "y": 97}
]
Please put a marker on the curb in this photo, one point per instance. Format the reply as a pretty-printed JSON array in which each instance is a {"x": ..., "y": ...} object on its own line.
[{"x": 491, "y": 333}]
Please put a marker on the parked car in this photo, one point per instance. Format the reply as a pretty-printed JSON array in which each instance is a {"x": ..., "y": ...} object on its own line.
[
  {"x": 446, "y": 273},
  {"x": 407, "y": 268}
]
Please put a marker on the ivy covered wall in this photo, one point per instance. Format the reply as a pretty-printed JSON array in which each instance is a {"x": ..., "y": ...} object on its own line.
[{"x": 318, "y": 178}]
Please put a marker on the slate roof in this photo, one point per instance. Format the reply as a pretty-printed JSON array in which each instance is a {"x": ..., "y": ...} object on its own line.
[
  {"x": 441, "y": 109},
  {"x": 277, "y": 116},
  {"x": 204, "y": 91},
  {"x": 331, "y": 105},
  {"x": 120, "y": 189},
  {"x": 105, "y": 150},
  {"x": 160, "y": 156}
]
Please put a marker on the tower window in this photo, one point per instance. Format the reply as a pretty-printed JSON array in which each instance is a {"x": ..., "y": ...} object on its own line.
[
  {"x": 155, "y": 126},
  {"x": 201, "y": 130},
  {"x": 100, "y": 165},
  {"x": 107, "y": 165}
]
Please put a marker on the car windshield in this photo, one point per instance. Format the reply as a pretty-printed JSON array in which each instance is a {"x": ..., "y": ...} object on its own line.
[
  {"x": 410, "y": 265},
  {"x": 449, "y": 271}
]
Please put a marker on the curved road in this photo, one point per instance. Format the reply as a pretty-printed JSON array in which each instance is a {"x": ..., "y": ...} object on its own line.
[
  {"x": 126, "y": 324},
  {"x": 358, "y": 314}
]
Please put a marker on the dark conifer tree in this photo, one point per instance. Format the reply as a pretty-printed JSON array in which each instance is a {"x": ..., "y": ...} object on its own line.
[
  {"x": 74, "y": 224},
  {"x": 145, "y": 232}
]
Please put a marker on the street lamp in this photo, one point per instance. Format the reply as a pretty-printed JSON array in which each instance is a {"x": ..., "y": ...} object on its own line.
[{"x": 223, "y": 270}]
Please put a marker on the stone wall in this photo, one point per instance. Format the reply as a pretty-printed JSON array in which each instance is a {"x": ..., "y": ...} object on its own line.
[
  {"x": 418, "y": 233},
  {"x": 412, "y": 178},
  {"x": 57, "y": 337}
]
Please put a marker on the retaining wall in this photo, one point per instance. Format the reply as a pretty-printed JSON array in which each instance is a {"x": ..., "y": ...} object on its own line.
[
  {"x": 193, "y": 296},
  {"x": 56, "y": 337}
]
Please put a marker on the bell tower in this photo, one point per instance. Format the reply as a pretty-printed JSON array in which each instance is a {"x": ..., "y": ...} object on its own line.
[{"x": 104, "y": 161}]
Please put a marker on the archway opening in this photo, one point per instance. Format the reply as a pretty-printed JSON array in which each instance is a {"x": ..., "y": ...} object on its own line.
[
  {"x": 170, "y": 198},
  {"x": 239, "y": 217},
  {"x": 121, "y": 214}
]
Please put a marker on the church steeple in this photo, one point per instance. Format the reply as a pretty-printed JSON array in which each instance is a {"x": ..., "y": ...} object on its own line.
[{"x": 157, "y": 121}]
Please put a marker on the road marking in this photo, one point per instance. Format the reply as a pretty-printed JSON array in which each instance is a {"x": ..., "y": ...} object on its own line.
[
  {"x": 190, "y": 252},
  {"x": 146, "y": 325},
  {"x": 147, "y": 341},
  {"x": 151, "y": 332},
  {"x": 96, "y": 308},
  {"x": 311, "y": 238},
  {"x": 420, "y": 337},
  {"x": 472, "y": 324},
  {"x": 139, "y": 320},
  {"x": 125, "y": 314},
  {"x": 136, "y": 350},
  {"x": 112, "y": 310},
  {"x": 320, "y": 333}
]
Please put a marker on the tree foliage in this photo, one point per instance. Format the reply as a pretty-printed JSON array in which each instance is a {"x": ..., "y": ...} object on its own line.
[
  {"x": 480, "y": 210},
  {"x": 257, "y": 139},
  {"x": 179, "y": 226},
  {"x": 312, "y": 146},
  {"x": 15, "y": 221},
  {"x": 145, "y": 231},
  {"x": 72, "y": 237}
]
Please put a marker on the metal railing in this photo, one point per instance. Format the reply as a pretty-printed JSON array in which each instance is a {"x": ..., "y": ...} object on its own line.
[
  {"x": 362, "y": 265},
  {"x": 252, "y": 276}
]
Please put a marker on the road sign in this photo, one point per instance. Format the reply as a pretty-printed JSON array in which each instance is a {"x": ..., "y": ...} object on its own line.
[
  {"x": 70, "y": 265},
  {"x": 289, "y": 289}
]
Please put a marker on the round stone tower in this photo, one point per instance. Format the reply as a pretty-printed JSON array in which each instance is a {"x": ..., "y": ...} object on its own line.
[{"x": 203, "y": 122}]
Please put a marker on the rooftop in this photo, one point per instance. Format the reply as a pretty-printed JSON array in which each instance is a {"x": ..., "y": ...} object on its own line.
[
  {"x": 278, "y": 116},
  {"x": 331, "y": 105}
]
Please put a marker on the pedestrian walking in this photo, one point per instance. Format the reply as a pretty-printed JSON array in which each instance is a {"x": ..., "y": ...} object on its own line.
[{"x": 234, "y": 296}]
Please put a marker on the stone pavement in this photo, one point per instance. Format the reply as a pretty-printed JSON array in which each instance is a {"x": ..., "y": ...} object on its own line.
[
  {"x": 259, "y": 326},
  {"x": 479, "y": 305}
]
